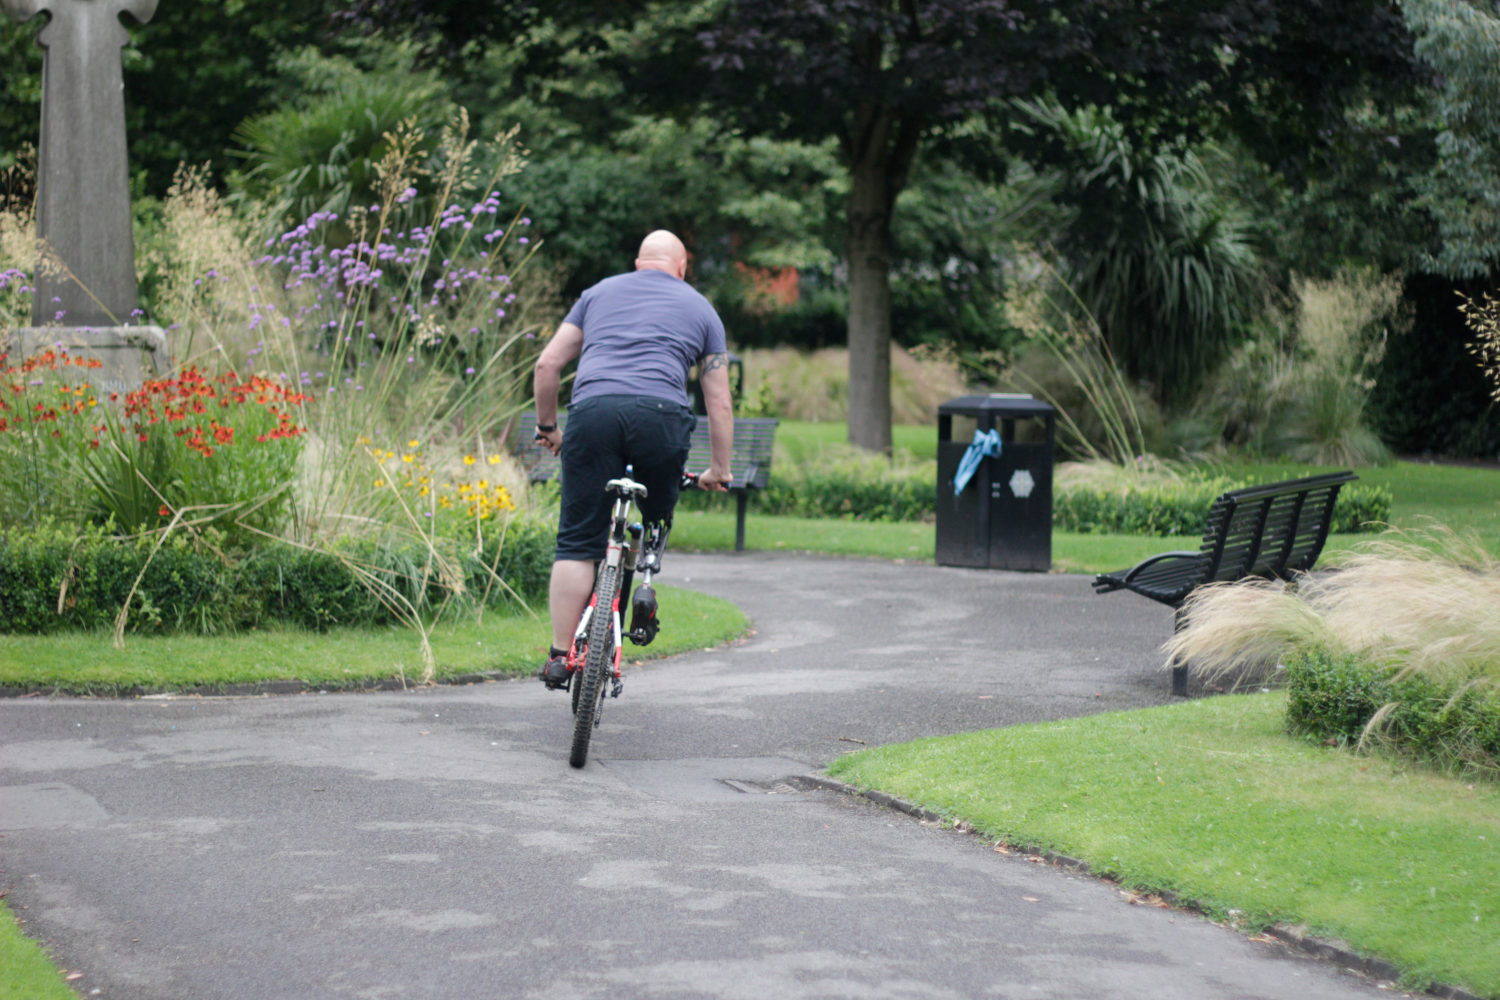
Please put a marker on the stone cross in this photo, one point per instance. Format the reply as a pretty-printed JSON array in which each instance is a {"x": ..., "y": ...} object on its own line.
[{"x": 83, "y": 186}]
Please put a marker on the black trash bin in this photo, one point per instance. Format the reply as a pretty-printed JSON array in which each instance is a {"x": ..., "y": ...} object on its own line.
[{"x": 1002, "y": 517}]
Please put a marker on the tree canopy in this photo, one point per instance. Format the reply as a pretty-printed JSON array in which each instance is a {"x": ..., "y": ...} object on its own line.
[{"x": 884, "y": 78}]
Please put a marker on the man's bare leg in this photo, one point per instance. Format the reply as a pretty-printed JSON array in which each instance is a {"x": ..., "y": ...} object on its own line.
[{"x": 568, "y": 593}]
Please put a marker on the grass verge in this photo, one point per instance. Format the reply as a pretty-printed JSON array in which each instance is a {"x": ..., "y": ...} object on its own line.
[
  {"x": 28, "y": 973},
  {"x": 510, "y": 644},
  {"x": 1211, "y": 800}
]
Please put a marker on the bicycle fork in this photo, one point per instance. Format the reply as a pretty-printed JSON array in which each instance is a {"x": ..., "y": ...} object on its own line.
[{"x": 621, "y": 553}]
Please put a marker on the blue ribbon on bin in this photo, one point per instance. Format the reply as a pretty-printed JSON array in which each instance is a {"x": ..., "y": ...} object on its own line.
[{"x": 986, "y": 443}]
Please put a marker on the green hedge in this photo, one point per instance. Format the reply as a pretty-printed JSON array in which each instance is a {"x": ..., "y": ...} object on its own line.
[
  {"x": 871, "y": 488},
  {"x": 1333, "y": 697},
  {"x": 1181, "y": 508},
  {"x": 856, "y": 487},
  {"x": 54, "y": 577},
  {"x": 860, "y": 489}
]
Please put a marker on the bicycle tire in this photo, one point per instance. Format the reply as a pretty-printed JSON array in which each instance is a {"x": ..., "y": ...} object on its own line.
[{"x": 598, "y": 663}]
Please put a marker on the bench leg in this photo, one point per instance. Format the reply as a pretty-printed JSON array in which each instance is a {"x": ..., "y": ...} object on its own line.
[
  {"x": 742, "y": 500},
  {"x": 1179, "y": 672}
]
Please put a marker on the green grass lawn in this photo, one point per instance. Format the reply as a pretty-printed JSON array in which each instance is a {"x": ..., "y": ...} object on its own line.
[
  {"x": 512, "y": 644},
  {"x": 1211, "y": 800},
  {"x": 26, "y": 973},
  {"x": 798, "y": 441}
]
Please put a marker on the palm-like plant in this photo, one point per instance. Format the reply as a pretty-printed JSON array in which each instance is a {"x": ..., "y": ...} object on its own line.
[
  {"x": 1158, "y": 255},
  {"x": 319, "y": 157}
]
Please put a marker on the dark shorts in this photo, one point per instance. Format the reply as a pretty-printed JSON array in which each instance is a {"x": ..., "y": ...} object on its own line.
[{"x": 605, "y": 434}]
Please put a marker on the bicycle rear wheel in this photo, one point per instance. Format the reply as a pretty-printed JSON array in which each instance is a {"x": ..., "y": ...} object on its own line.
[{"x": 599, "y": 661}]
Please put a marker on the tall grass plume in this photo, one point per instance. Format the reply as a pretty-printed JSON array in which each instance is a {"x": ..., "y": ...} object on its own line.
[{"x": 1400, "y": 645}]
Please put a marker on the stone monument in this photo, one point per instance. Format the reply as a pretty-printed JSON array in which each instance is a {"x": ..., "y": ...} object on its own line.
[{"x": 85, "y": 298}]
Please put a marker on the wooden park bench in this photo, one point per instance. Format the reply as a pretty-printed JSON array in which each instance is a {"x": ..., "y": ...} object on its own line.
[
  {"x": 1271, "y": 531},
  {"x": 749, "y": 459}
]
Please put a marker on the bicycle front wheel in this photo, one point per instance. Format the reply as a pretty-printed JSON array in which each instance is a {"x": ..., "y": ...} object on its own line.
[{"x": 599, "y": 661}]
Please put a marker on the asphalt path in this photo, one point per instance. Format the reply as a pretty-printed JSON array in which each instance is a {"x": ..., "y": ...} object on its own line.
[{"x": 435, "y": 844}]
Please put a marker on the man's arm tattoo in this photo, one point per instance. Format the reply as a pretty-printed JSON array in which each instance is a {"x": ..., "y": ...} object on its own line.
[{"x": 712, "y": 361}]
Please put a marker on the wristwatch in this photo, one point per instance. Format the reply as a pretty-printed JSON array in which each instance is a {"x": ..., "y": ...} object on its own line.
[{"x": 545, "y": 428}]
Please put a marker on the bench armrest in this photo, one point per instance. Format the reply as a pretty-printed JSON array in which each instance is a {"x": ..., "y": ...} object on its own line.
[{"x": 1120, "y": 579}]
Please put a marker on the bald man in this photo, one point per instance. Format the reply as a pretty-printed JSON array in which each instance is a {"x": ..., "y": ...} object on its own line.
[{"x": 635, "y": 335}]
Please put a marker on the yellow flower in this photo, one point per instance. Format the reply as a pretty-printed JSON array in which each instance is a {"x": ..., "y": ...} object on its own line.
[
  {"x": 379, "y": 483},
  {"x": 423, "y": 491},
  {"x": 408, "y": 459},
  {"x": 413, "y": 443},
  {"x": 468, "y": 459},
  {"x": 494, "y": 459}
]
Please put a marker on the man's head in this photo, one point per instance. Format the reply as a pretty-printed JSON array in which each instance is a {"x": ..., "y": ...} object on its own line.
[{"x": 662, "y": 251}]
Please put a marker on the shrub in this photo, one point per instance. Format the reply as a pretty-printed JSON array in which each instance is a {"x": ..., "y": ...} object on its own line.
[
  {"x": 1178, "y": 508},
  {"x": 859, "y": 487},
  {"x": 310, "y": 588},
  {"x": 1355, "y": 702},
  {"x": 517, "y": 563},
  {"x": 1300, "y": 388},
  {"x": 54, "y": 577}
]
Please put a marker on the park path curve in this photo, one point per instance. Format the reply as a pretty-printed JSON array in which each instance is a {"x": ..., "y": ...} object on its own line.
[{"x": 434, "y": 844}]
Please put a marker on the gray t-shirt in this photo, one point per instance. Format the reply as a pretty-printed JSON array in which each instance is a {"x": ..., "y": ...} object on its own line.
[{"x": 642, "y": 331}]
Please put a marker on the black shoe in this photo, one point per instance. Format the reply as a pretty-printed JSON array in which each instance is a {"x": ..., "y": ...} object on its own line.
[{"x": 555, "y": 673}]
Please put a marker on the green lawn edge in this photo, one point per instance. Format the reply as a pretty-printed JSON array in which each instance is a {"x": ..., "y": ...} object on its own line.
[
  {"x": 1211, "y": 801},
  {"x": 500, "y": 644},
  {"x": 26, "y": 973}
]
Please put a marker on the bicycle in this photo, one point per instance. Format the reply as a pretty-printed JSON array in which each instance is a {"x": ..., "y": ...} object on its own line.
[{"x": 594, "y": 655}]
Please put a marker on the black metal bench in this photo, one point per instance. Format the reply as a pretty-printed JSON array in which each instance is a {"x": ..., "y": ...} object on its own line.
[
  {"x": 749, "y": 459},
  {"x": 1271, "y": 531}
]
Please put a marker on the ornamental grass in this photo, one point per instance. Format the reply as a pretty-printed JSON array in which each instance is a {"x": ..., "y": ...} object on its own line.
[{"x": 1419, "y": 606}]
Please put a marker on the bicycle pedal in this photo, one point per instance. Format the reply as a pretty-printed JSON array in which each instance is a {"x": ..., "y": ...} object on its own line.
[{"x": 615, "y": 687}]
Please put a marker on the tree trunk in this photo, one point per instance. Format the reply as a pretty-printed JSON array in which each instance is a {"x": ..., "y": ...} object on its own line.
[{"x": 869, "y": 257}]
